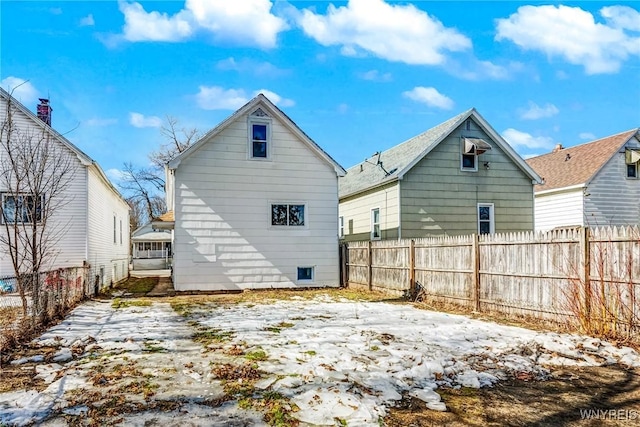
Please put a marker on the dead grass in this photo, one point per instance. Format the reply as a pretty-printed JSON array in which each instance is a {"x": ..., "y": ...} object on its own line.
[
  {"x": 137, "y": 285},
  {"x": 514, "y": 402}
]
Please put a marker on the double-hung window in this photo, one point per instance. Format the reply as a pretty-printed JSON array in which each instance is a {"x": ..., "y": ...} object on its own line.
[
  {"x": 375, "y": 224},
  {"x": 288, "y": 215},
  {"x": 22, "y": 208},
  {"x": 259, "y": 139},
  {"x": 485, "y": 218},
  {"x": 341, "y": 227}
]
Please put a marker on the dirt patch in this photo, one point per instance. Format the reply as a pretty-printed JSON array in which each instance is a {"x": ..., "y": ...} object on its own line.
[
  {"x": 572, "y": 397},
  {"x": 19, "y": 378}
]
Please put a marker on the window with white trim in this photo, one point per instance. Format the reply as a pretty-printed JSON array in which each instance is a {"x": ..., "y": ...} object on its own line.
[
  {"x": 259, "y": 139},
  {"x": 632, "y": 158},
  {"x": 292, "y": 215},
  {"x": 115, "y": 231},
  {"x": 121, "y": 232},
  {"x": 485, "y": 218},
  {"x": 341, "y": 226},
  {"x": 375, "y": 224},
  {"x": 305, "y": 274},
  {"x": 22, "y": 208}
]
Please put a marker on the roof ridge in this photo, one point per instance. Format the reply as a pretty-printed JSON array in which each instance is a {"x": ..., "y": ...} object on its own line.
[{"x": 584, "y": 144}]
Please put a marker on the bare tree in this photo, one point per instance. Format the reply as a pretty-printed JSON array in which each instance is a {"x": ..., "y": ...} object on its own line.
[
  {"x": 145, "y": 186},
  {"x": 34, "y": 175}
]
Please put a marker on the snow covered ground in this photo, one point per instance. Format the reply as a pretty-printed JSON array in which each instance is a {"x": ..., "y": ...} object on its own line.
[{"x": 337, "y": 361}]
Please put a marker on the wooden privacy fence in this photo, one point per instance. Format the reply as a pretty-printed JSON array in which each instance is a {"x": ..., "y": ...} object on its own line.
[{"x": 592, "y": 275}]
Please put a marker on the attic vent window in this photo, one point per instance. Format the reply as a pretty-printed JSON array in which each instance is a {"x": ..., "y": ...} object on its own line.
[{"x": 259, "y": 113}]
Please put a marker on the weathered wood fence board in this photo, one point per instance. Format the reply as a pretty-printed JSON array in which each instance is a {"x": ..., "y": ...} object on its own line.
[{"x": 555, "y": 275}]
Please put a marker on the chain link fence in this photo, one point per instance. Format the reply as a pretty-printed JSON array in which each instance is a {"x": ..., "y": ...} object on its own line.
[{"x": 30, "y": 302}]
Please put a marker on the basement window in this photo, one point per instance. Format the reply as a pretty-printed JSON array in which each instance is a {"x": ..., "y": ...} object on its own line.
[{"x": 305, "y": 274}]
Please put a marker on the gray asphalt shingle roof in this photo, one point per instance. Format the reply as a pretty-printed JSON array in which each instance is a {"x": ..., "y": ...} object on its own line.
[{"x": 395, "y": 160}]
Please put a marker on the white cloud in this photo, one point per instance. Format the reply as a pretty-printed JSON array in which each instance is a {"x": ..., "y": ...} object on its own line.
[
  {"x": 219, "y": 98},
  {"x": 87, "y": 21},
  {"x": 140, "y": 25},
  {"x": 21, "y": 90},
  {"x": 400, "y": 33},
  {"x": 275, "y": 98},
  {"x": 429, "y": 96},
  {"x": 535, "y": 112},
  {"x": 98, "y": 122},
  {"x": 572, "y": 33},
  {"x": 140, "y": 121},
  {"x": 622, "y": 17},
  {"x": 587, "y": 136},
  {"x": 247, "y": 22},
  {"x": 518, "y": 139},
  {"x": 247, "y": 65},
  {"x": 376, "y": 76}
]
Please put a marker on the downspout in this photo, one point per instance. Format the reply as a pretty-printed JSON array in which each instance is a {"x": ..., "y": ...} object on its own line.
[{"x": 399, "y": 211}]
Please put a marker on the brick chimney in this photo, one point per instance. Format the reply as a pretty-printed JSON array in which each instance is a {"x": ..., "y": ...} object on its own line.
[
  {"x": 557, "y": 148},
  {"x": 44, "y": 111}
]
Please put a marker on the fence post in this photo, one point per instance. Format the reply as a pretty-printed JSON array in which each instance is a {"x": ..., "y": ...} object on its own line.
[
  {"x": 370, "y": 276},
  {"x": 412, "y": 267},
  {"x": 476, "y": 271},
  {"x": 586, "y": 273}
]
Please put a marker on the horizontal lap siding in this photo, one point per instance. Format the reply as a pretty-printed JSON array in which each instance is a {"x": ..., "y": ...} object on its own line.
[
  {"x": 223, "y": 234},
  {"x": 439, "y": 199},
  {"x": 613, "y": 198},
  {"x": 103, "y": 252},
  {"x": 564, "y": 209},
  {"x": 69, "y": 221},
  {"x": 356, "y": 212}
]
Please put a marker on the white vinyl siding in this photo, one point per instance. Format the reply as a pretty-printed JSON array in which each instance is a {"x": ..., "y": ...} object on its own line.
[
  {"x": 70, "y": 219},
  {"x": 356, "y": 212},
  {"x": 223, "y": 238},
  {"x": 105, "y": 209},
  {"x": 562, "y": 209},
  {"x": 613, "y": 198}
]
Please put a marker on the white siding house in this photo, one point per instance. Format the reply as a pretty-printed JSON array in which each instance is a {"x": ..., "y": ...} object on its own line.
[
  {"x": 94, "y": 218},
  {"x": 255, "y": 206},
  {"x": 593, "y": 184}
]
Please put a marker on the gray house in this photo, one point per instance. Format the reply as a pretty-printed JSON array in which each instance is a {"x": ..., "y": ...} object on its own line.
[
  {"x": 460, "y": 177},
  {"x": 592, "y": 184}
]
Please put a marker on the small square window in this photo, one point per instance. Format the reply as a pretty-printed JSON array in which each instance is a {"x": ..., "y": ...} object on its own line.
[
  {"x": 469, "y": 161},
  {"x": 632, "y": 170},
  {"x": 305, "y": 274}
]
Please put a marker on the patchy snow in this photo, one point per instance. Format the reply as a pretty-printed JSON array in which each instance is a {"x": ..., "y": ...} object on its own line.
[{"x": 335, "y": 360}]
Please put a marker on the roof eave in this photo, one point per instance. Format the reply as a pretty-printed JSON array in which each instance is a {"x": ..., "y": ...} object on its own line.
[{"x": 371, "y": 187}]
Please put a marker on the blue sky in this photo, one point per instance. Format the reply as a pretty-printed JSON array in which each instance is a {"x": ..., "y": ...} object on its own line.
[{"x": 358, "y": 76}]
